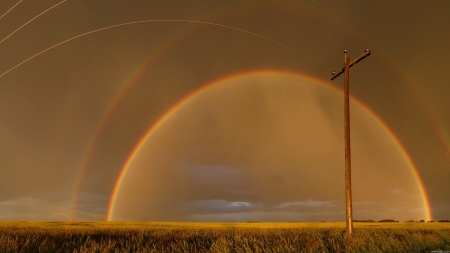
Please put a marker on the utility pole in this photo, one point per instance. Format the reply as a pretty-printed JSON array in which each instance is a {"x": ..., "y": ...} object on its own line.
[{"x": 348, "y": 176}]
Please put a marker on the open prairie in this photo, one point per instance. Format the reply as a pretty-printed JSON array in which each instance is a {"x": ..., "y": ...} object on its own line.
[{"x": 30, "y": 236}]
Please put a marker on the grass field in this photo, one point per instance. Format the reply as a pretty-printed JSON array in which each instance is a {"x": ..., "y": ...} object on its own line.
[{"x": 26, "y": 236}]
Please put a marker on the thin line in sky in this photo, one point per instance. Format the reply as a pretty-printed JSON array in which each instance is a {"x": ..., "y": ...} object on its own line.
[
  {"x": 296, "y": 15},
  {"x": 398, "y": 87},
  {"x": 165, "y": 20},
  {"x": 10, "y": 9},
  {"x": 402, "y": 130},
  {"x": 407, "y": 114},
  {"x": 31, "y": 20},
  {"x": 304, "y": 20},
  {"x": 392, "y": 80},
  {"x": 329, "y": 15}
]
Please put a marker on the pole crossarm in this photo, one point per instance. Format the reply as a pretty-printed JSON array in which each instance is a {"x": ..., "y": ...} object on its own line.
[{"x": 360, "y": 58}]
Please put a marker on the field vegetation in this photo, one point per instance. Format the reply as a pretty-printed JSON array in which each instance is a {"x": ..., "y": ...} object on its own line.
[{"x": 222, "y": 237}]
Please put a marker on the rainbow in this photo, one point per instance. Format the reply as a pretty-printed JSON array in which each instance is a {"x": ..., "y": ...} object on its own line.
[
  {"x": 155, "y": 55},
  {"x": 431, "y": 115},
  {"x": 152, "y": 59},
  {"x": 195, "y": 93}
]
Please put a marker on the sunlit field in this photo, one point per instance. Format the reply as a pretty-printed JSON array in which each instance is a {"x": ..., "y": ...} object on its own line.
[{"x": 18, "y": 236}]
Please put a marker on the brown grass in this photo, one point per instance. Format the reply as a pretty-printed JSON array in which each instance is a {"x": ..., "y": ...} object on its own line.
[{"x": 221, "y": 237}]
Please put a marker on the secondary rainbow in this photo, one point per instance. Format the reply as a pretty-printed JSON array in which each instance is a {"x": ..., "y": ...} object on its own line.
[
  {"x": 155, "y": 55},
  {"x": 202, "y": 89},
  {"x": 129, "y": 83},
  {"x": 153, "y": 58}
]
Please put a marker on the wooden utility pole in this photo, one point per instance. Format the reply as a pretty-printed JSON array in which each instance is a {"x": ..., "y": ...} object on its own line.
[{"x": 348, "y": 176}]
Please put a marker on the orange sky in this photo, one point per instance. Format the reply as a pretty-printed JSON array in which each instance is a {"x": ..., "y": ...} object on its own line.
[{"x": 71, "y": 116}]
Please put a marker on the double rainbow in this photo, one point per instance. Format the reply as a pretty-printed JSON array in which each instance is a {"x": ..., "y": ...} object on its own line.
[
  {"x": 153, "y": 58},
  {"x": 206, "y": 87}
]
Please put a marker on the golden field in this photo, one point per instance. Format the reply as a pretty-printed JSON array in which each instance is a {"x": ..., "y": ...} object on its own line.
[{"x": 31, "y": 236}]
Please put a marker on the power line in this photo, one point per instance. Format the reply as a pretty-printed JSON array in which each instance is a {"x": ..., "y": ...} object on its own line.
[
  {"x": 287, "y": 10},
  {"x": 387, "y": 73},
  {"x": 410, "y": 119},
  {"x": 10, "y": 9},
  {"x": 392, "y": 80},
  {"x": 304, "y": 20},
  {"x": 148, "y": 21},
  {"x": 166, "y": 21},
  {"x": 399, "y": 127},
  {"x": 31, "y": 20},
  {"x": 337, "y": 22}
]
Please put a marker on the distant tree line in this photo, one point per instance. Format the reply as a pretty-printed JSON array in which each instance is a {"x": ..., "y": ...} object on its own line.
[
  {"x": 391, "y": 220},
  {"x": 369, "y": 220}
]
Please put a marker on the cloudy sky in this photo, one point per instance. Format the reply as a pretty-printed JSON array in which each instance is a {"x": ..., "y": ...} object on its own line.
[{"x": 222, "y": 110}]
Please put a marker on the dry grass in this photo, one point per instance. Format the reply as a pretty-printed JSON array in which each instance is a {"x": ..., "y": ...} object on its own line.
[{"x": 221, "y": 237}]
